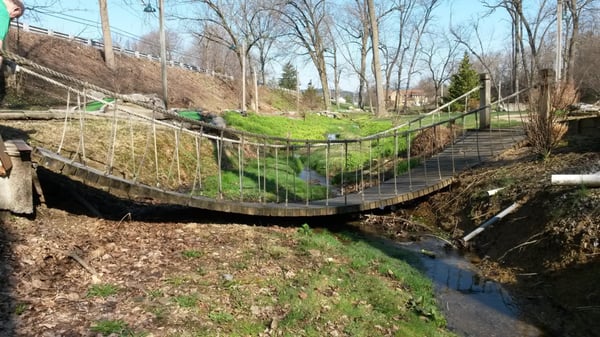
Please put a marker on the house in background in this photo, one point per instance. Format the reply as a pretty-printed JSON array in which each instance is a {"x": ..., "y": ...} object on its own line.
[{"x": 414, "y": 97}]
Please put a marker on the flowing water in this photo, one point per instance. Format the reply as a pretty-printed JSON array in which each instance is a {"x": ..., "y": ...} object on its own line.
[{"x": 473, "y": 306}]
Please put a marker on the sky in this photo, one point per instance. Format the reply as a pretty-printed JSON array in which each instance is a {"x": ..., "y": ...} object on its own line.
[{"x": 129, "y": 21}]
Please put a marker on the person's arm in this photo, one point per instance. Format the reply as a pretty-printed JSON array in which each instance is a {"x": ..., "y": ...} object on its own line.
[{"x": 1, "y": 57}]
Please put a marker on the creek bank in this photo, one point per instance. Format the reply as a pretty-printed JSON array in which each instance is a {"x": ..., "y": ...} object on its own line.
[
  {"x": 473, "y": 305},
  {"x": 546, "y": 253}
]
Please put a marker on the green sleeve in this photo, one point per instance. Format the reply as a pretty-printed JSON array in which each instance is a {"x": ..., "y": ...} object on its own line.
[{"x": 4, "y": 21}]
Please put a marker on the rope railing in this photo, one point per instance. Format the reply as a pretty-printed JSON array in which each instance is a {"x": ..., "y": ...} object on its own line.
[{"x": 208, "y": 161}]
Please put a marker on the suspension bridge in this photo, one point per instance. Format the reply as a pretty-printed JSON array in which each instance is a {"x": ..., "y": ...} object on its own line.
[{"x": 129, "y": 152}]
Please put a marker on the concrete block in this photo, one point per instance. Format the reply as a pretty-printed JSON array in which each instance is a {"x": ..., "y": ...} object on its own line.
[{"x": 16, "y": 188}]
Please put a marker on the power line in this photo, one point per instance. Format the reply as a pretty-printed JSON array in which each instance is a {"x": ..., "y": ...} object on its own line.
[{"x": 114, "y": 30}]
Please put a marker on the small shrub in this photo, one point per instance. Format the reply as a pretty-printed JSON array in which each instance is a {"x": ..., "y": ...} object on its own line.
[
  {"x": 305, "y": 230},
  {"x": 544, "y": 133}
]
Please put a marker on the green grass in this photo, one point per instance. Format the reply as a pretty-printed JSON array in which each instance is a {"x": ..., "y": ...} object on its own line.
[
  {"x": 311, "y": 127},
  {"x": 191, "y": 254},
  {"x": 186, "y": 301},
  {"x": 102, "y": 290},
  {"x": 114, "y": 328},
  {"x": 311, "y": 283},
  {"x": 220, "y": 317},
  {"x": 358, "y": 285}
]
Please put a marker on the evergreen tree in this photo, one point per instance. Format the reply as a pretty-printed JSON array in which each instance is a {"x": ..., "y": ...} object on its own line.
[
  {"x": 289, "y": 77},
  {"x": 465, "y": 79},
  {"x": 310, "y": 97}
]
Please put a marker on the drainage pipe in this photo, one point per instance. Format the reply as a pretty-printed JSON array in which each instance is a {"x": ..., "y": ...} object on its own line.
[
  {"x": 491, "y": 221},
  {"x": 592, "y": 180}
]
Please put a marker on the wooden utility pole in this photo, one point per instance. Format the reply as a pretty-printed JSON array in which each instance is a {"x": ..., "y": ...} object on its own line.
[
  {"x": 163, "y": 51},
  {"x": 485, "y": 95},
  {"x": 558, "y": 66},
  {"x": 243, "y": 76},
  {"x": 376, "y": 63},
  {"x": 109, "y": 54},
  {"x": 547, "y": 77}
]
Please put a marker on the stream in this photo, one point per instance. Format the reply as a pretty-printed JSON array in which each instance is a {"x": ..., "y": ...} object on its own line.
[{"x": 472, "y": 306}]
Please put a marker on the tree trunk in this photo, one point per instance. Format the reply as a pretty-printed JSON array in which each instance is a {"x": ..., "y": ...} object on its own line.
[
  {"x": 380, "y": 109},
  {"x": 109, "y": 54},
  {"x": 322, "y": 70},
  {"x": 573, "y": 41}
]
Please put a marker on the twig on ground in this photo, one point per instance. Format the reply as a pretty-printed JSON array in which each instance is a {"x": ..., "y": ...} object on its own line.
[
  {"x": 84, "y": 264},
  {"x": 441, "y": 239},
  {"x": 589, "y": 307},
  {"x": 529, "y": 242},
  {"x": 128, "y": 215}
]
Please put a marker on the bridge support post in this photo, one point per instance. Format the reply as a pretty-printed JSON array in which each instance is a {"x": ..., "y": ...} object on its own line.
[
  {"x": 546, "y": 89},
  {"x": 16, "y": 187},
  {"x": 485, "y": 101}
]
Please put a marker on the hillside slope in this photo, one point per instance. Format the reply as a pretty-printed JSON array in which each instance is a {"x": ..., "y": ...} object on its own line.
[{"x": 187, "y": 89}]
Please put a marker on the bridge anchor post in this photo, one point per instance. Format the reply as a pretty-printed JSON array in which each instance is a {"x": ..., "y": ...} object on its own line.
[
  {"x": 16, "y": 186},
  {"x": 485, "y": 101}
]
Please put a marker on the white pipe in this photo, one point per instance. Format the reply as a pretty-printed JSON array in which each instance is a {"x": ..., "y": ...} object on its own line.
[
  {"x": 576, "y": 179},
  {"x": 494, "y": 191},
  {"x": 491, "y": 221}
]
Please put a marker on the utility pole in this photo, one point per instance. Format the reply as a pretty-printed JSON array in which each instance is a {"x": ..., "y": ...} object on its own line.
[
  {"x": 109, "y": 55},
  {"x": 163, "y": 50},
  {"x": 243, "y": 76},
  {"x": 558, "y": 65}
]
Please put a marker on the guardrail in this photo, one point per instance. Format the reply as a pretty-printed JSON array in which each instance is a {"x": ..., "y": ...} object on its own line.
[{"x": 133, "y": 53}]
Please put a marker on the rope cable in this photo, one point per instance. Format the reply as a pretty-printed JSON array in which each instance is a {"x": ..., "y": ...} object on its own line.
[
  {"x": 112, "y": 141},
  {"x": 64, "y": 132}
]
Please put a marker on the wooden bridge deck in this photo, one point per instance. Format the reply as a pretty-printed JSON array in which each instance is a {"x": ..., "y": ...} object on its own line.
[{"x": 434, "y": 174}]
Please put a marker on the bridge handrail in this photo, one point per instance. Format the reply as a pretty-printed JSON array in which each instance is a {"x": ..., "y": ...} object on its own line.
[
  {"x": 266, "y": 139},
  {"x": 423, "y": 116}
]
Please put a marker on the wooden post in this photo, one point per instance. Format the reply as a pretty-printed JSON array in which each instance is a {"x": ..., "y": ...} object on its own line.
[
  {"x": 485, "y": 100},
  {"x": 5, "y": 162},
  {"x": 546, "y": 88}
]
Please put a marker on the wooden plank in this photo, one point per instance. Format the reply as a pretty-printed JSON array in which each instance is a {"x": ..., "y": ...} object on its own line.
[{"x": 5, "y": 162}]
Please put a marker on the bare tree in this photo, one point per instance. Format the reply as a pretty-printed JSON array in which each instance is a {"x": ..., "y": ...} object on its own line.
[
  {"x": 420, "y": 28},
  {"x": 354, "y": 30},
  {"x": 265, "y": 28},
  {"x": 439, "y": 55},
  {"x": 213, "y": 56},
  {"x": 149, "y": 43},
  {"x": 306, "y": 22},
  {"x": 575, "y": 12},
  {"x": 231, "y": 21},
  {"x": 587, "y": 73},
  {"x": 531, "y": 27},
  {"x": 397, "y": 55},
  {"x": 109, "y": 54},
  {"x": 374, "y": 25}
]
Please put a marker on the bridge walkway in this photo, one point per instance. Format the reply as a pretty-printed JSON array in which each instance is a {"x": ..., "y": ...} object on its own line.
[{"x": 435, "y": 173}]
